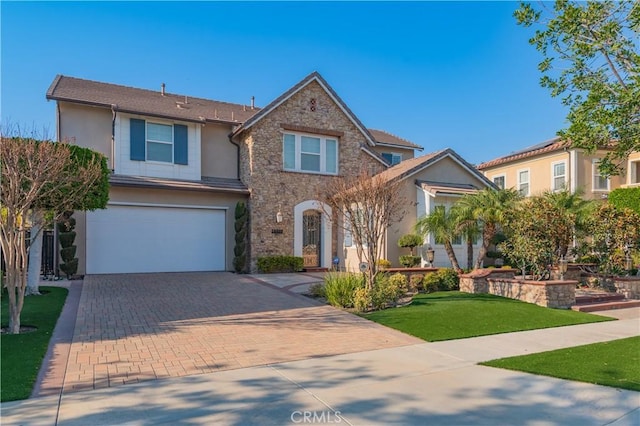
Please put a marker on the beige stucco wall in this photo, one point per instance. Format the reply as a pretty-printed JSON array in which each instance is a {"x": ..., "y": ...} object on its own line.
[
  {"x": 540, "y": 172},
  {"x": 446, "y": 170},
  {"x": 163, "y": 196},
  {"x": 86, "y": 126},
  {"x": 633, "y": 169},
  {"x": 274, "y": 189},
  {"x": 219, "y": 155}
]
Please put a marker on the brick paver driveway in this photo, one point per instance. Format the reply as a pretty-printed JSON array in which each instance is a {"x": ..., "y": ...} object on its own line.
[{"x": 148, "y": 326}]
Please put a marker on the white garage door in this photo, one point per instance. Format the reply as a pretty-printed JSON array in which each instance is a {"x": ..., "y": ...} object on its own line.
[{"x": 122, "y": 239}]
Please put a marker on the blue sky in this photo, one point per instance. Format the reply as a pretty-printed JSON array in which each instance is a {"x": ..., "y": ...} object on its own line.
[{"x": 441, "y": 74}]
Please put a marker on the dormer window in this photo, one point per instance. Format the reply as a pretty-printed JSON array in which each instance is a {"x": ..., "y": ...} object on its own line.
[{"x": 392, "y": 158}]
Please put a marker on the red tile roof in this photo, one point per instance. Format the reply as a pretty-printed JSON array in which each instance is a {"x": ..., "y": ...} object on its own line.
[{"x": 552, "y": 145}]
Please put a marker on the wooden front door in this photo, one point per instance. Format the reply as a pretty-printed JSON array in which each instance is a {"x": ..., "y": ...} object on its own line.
[{"x": 311, "y": 225}]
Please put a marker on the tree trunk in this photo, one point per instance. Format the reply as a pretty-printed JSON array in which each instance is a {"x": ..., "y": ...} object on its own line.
[
  {"x": 452, "y": 256},
  {"x": 469, "y": 253},
  {"x": 35, "y": 255}
]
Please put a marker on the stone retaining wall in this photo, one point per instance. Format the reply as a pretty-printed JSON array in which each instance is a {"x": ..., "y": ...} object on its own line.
[
  {"x": 476, "y": 281},
  {"x": 551, "y": 294},
  {"x": 629, "y": 286},
  {"x": 502, "y": 282}
]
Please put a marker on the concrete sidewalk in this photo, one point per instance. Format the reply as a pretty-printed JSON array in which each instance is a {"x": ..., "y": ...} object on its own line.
[{"x": 427, "y": 383}]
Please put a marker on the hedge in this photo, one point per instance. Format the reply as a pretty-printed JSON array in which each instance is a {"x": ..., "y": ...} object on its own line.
[
  {"x": 626, "y": 197},
  {"x": 269, "y": 264}
]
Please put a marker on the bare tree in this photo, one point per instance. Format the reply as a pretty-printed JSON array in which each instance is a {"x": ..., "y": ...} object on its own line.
[
  {"x": 36, "y": 175},
  {"x": 366, "y": 206}
]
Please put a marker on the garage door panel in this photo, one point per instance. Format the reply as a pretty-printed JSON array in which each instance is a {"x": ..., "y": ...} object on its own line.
[{"x": 125, "y": 239}]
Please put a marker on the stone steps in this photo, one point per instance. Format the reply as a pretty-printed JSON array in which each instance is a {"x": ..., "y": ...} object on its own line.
[
  {"x": 606, "y": 305},
  {"x": 582, "y": 299}
]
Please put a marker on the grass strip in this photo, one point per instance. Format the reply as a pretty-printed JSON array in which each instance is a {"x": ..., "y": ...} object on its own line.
[
  {"x": 22, "y": 354},
  {"x": 615, "y": 363},
  {"x": 455, "y": 315}
]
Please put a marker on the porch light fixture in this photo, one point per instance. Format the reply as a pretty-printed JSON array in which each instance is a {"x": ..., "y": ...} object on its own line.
[
  {"x": 628, "y": 263},
  {"x": 431, "y": 253},
  {"x": 563, "y": 264}
]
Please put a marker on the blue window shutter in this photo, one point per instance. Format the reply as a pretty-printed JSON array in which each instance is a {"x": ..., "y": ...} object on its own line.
[
  {"x": 137, "y": 140},
  {"x": 180, "y": 150}
]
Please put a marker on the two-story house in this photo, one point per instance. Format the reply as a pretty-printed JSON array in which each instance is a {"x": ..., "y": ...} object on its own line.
[
  {"x": 553, "y": 165},
  {"x": 180, "y": 164}
]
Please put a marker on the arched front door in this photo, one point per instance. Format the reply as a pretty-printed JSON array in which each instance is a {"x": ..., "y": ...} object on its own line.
[{"x": 311, "y": 238}]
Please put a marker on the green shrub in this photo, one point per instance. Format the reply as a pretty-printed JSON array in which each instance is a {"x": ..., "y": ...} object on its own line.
[
  {"x": 340, "y": 288},
  {"x": 449, "y": 279},
  {"x": 415, "y": 282},
  {"x": 241, "y": 215},
  {"x": 269, "y": 264},
  {"x": 431, "y": 282},
  {"x": 626, "y": 197},
  {"x": 400, "y": 281},
  {"x": 66, "y": 238},
  {"x": 383, "y": 264},
  {"x": 317, "y": 290},
  {"x": 362, "y": 299},
  {"x": 410, "y": 241},
  {"x": 68, "y": 253},
  {"x": 409, "y": 261},
  {"x": 445, "y": 279}
]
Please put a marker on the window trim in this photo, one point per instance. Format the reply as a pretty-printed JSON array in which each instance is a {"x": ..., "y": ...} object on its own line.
[
  {"x": 633, "y": 166},
  {"x": 147, "y": 140},
  {"x": 594, "y": 170},
  {"x": 502, "y": 175},
  {"x": 553, "y": 176},
  {"x": 528, "y": 182},
  {"x": 394, "y": 155},
  {"x": 323, "y": 153}
]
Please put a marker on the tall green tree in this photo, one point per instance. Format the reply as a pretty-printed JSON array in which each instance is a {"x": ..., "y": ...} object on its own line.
[
  {"x": 591, "y": 60},
  {"x": 442, "y": 224},
  {"x": 488, "y": 207}
]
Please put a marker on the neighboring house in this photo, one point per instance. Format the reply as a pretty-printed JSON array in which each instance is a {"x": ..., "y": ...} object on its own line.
[
  {"x": 429, "y": 181},
  {"x": 180, "y": 164},
  {"x": 633, "y": 170},
  {"x": 553, "y": 165}
]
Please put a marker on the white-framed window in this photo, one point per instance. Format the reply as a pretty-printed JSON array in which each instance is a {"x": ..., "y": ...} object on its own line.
[
  {"x": 159, "y": 142},
  {"x": 634, "y": 172},
  {"x": 392, "y": 158},
  {"x": 523, "y": 182},
  {"x": 600, "y": 183},
  {"x": 500, "y": 181},
  {"x": 310, "y": 153},
  {"x": 559, "y": 175}
]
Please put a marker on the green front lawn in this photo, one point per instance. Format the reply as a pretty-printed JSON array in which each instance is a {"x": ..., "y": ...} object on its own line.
[
  {"x": 22, "y": 354},
  {"x": 455, "y": 315},
  {"x": 615, "y": 363}
]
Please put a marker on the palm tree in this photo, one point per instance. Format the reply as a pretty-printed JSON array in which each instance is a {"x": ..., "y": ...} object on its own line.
[
  {"x": 571, "y": 204},
  {"x": 488, "y": 208},
  {"x": 468, "y": 227},
  {"x": 442, "y": 224}
]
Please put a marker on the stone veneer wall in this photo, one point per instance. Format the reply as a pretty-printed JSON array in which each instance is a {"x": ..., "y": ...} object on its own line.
[
  {"x": 476, "y": 281},
  {"x": 501, "y": 282},
  {"x": 274, "y": 189},
  {"x": 629, "y": 286},
  {"x": 551, "y": 294}
]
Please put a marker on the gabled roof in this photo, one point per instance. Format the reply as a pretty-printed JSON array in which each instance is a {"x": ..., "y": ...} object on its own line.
[
  {"x": 314, "y": 76},
  {"x": 555, "y": 144},
  {"x": 385, "y": 138},
  {"x": 147, "y": 102},
  {"x": 408, "y": 168},
  {"x": 435, "y": 188}
]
